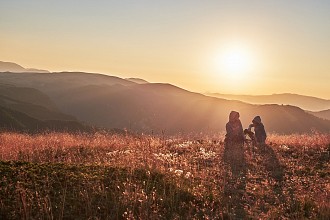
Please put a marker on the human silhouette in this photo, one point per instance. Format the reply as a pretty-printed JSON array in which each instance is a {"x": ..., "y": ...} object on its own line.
[
  {"x": 234, "y": 158},
  {"x": 234, "y": 142},
  {"x": 234, "y": 129},
  {"x": 259, "y": 130}
]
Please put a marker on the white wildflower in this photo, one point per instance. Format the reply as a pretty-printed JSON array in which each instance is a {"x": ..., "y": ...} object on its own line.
[
  {"x": 178, "y": 172},
  {"x": 112, "y": 153},
  {"x": 284, "y": 147},
  {"x": 188, "y": 174}
]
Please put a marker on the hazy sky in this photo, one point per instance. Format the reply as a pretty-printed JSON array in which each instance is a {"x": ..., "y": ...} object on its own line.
[{"x": 250, "y": 47}]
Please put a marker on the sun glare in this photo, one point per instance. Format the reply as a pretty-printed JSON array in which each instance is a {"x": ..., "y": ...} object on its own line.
[{"x": 235, "y": 62}]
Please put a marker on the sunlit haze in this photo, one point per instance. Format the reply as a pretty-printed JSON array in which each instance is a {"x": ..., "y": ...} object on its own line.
[
  {"x": 236, "y": 63},
  {"x": 239, "y": 47}
]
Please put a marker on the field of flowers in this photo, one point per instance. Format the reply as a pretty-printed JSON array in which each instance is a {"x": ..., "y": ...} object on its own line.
[{"x": 124, "y": 176}]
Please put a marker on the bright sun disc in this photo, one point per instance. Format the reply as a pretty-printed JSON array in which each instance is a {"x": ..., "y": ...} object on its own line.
[{"x": 235, "y": 62}]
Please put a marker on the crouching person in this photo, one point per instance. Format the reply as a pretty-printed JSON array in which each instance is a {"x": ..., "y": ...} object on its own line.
[{"x": 259, "y": 130}]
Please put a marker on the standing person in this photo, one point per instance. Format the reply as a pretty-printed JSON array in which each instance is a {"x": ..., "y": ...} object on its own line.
[
  {"x": 259, "y": 130},
  {"x": 234, "y": 129}
]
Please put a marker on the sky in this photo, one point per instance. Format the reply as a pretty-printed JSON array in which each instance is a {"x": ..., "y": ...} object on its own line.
[{"x": 235, "y": 47}]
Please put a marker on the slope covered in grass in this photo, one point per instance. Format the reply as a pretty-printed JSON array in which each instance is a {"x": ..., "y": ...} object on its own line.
[
  {"x": 112, "y": 176},
  {"x": 12, "y": 120},
  {"x": 62, "y": 191}
]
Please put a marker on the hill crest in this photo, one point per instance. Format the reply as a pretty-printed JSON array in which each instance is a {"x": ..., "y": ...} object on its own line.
[
  {"x": 309, "y": 103},
  {"x": 16, "y": 68},
  {"x": 112, "y": 102}
]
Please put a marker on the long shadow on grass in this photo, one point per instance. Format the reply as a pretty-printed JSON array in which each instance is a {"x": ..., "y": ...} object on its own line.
[
  {"x": 235, "y": 186},
  {"x": 274, "y": 168},
  {"x": 271, "y": 163}
]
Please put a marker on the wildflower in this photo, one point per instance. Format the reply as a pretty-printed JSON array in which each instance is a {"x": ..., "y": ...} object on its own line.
[
  {"x": 188, "y": 174},
  {"x": 178, "y": 172},
  {"x": 284, "y": 147},
  {"x": 112, "y": 153}
]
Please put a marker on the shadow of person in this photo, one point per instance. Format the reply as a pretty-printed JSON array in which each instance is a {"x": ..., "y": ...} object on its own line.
[
  {"x": 235, "y": 186},
  {"x": 272, "y": 164},
  {"x": 274, "y": 168}
]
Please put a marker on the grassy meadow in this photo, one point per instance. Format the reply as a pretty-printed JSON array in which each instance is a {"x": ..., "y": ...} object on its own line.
[{"x": 124, "y": 176}]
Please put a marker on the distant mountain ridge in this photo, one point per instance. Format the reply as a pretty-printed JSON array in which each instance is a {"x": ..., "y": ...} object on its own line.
[
  {"x": 15, "y": 68},
  {"x": 29, "y": 110},
  {"x": 325, "y": 114},
  {"x": 112, "y": 102},
  {"x": 305, "y": 102},
  {"x": 12, "y": 120},
  {"x": 137, "y": 80},
  {"x": 32, "y": 102}
]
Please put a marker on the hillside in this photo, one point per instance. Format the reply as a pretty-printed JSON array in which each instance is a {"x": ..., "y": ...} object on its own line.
[
  {"x": 290, "y": 119},
  {"x": 304, "y": 102},
  {"x": 32, "y": 102},
  {"x": 12, "y": 120},
  {"x": 15, "y": 68},
  {"x": 60, "y": 83},
  {"x": 111, "y": 176},
  {"x": 10, "y": 67},
  {"x": 136, "y": 80},
  {"x": 322, "y": 114},
  {"x": 29, "y": 110},
  {"x": 112, "y": 102}
]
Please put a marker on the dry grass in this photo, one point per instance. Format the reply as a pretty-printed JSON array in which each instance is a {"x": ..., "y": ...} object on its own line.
[{"x": 288, "y": 178}]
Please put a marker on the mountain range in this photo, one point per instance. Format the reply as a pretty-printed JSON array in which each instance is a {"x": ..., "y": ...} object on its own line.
[
  {"x": 12, "y": 120},
  {"x": 28, "y": 109},
  {"x": 325, "y": 114},
  {"x": 308, "y": 103},
  {"x": 15, "y": 68},
  {"x": 112, "y": 102}
]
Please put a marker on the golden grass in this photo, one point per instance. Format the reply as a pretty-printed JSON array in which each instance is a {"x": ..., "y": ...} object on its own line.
[{"x": 287, "y": 178}]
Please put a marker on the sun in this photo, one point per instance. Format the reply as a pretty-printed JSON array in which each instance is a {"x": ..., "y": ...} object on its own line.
[{"x": 235, "y": 62}]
